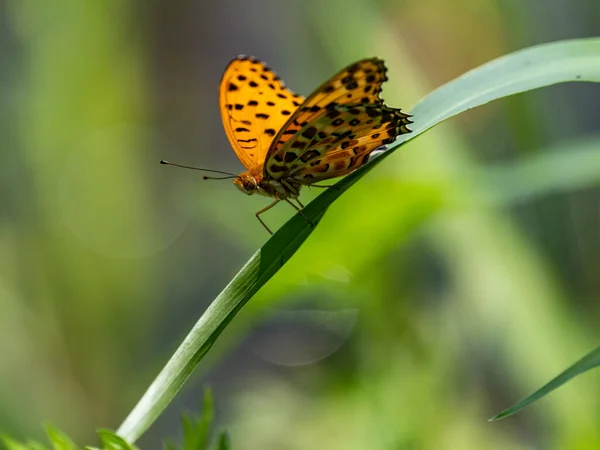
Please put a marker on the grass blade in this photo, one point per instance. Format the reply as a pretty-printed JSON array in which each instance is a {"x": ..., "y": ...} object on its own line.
[{"x": 586, "y": 363}]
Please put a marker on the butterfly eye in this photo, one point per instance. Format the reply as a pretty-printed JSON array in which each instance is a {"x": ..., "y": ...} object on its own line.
[{"x": 247, "y": 185}]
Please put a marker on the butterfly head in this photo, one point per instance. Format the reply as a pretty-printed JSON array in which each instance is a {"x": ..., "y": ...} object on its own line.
[{"x": 246, "y": 183}]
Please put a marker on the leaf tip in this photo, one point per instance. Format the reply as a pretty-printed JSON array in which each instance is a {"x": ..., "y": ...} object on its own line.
[{"x": 502, "y": 414}]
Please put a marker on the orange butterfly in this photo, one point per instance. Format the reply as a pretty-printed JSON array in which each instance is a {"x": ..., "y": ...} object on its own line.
[{"x": 286, "y": 141}]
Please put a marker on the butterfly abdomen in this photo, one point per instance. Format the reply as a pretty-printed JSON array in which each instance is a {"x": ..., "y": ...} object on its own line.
[{"x": 280, "y": 189}]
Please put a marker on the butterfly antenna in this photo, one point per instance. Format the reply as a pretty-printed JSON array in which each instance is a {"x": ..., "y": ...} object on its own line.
[
  {"x": 229, "y": 175},
  {"x": 204, "y": 177}
]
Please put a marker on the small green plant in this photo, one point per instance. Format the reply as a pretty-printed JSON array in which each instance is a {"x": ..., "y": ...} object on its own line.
[
  {"x": 59, "y": 440},
  {"x": 197, "y": 430},
  {"x": 196, "y": 435}
]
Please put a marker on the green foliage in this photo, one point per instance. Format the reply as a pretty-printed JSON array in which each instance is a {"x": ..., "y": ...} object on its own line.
[
  {"x": 111, "y": 441},
  {"x": 57, "y": 438},
  {"x": 11, "y": 444},
  {"x": 196, "y": 435},
  {"x": 79, "y": 221},
  {"x": 196, "y": 430}
]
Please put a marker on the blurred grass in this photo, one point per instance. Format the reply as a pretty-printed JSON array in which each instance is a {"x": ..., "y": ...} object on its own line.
[
  {"x": 80, "y": 77},
  {"x": 482, "y": 289}
]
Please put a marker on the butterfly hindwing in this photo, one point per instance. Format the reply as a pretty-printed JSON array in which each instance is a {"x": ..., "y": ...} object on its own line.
[
  {"x": 338, "y": 142},
  {"x": 255, "y": 105}
]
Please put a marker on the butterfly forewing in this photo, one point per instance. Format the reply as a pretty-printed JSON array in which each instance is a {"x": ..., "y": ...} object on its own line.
[
  {"x": 255, "y": 105},
  {"x": 358, "y": 83}
]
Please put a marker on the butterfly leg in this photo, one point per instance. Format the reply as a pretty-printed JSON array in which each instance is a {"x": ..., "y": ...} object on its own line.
[
  {"x": 266, "y": 208},
  {"x": 300, "y": 211},
  {"x": 300, "y": 203}
]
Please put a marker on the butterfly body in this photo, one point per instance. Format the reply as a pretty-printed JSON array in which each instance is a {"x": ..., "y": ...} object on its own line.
[
  {"x": 286, "y": 142},
  {"x": 250, "y": 184}
]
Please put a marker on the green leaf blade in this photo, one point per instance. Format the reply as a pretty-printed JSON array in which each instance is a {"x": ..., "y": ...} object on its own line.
[
  {"x": 224, "y": 443},
  {"x": 59, "y": 440},
  {"x": 588, "y": 362},
  {"x": 525, "y": 70},
  {"x": 111, "y": 441}
]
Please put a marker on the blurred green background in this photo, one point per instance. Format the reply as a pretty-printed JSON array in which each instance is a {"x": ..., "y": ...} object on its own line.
[{"x": 446, "y": 285}]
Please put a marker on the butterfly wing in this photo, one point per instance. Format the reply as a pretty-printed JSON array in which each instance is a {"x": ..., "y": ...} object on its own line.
[
  {"x": 338, "y": 142},
  {"x": 254, "y": 104},
  {"x": 358, "y": 83}
]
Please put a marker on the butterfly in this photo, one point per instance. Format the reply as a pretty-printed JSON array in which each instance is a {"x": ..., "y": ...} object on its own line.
[{"x": 286, "y": 141}]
